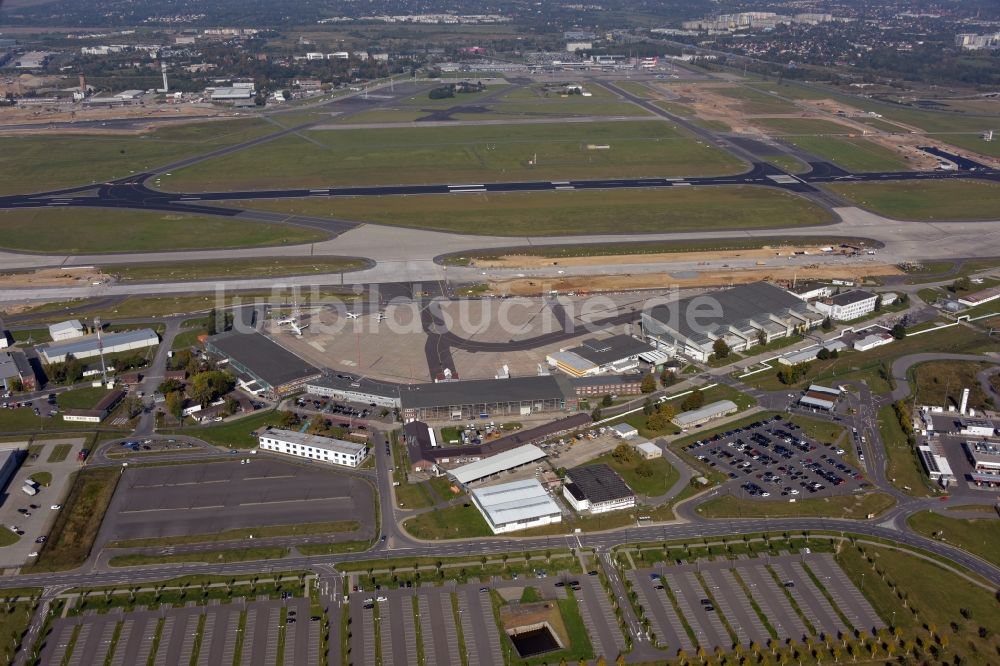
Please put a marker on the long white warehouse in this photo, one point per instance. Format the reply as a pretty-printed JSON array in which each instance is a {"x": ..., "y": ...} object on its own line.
[
  {"x": 518, "y": 505},
  {"x": 501, "y": 462},
  {"x": 89, "y": 345}
]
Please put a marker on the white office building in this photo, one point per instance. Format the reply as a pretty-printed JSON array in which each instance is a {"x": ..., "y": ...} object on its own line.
[
  {"x": 314, "y": 447},
  {"x": 848, "y": 305}
]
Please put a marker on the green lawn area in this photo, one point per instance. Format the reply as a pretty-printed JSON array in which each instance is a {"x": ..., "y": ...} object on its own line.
[
  {"x": 59, "y": 453},
  {"x": 34, "y": 335},
  {"x": 930, "y": 200},
  {"x": 79, "y": 230},
  {"x": 24, "y": 420},
  {"x": 42, "y": 478},
  {"x": 186, "y": 339},
  {"x": 232, "y": 268},
  {"x": 973, "y": 141},
  {"x": 660, "y": 481},
  {"x": 14, "y": 624},
  {"x": 262, "y": 532},
  {"x": 806, "y": 126},
  {"x": 463, "y": 154},
  {"x": 461, "y": 521},
  {"x": 980, "y": 537},
  {"x": 75, "y": 528},
  {"x": 36, "y": 163},
  {"x": 232, "y": 435},
  {"x": 720, "y": 392},
  {"x": 941, "y": 383},
  {"x": 7, "y": 538},
  {"x": 581, "y": 212},
  {"x": 839, "y": 506},
  {"x": 852, "y": 154},
  {"x": 757, "y": 102},
  {"x": 926, "y": 596},
  {"x": 822, "y": 431},
  {"x": 81, "y": 398},
  {"x": 865, "y": 365},
  {"x": 207, "y": 556}
]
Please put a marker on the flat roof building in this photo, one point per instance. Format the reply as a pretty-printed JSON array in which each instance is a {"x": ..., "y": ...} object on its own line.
[
  {"x": 485, "y": 398},
  {"x": 348, "y": 388},
  {"x": 619, "y": 353},
  {"x": 709, "y": 412},
  {"x": 647, "y": 449},
  {"x": 98, "y": 412},
  {"x": 501, "y": 462},
  {"x": 597, "y": 489},
  {"x": 624, "y": 431},
  {"x": 936, "y": 464},
  {"x": 601, "y": 385},
  {"x": 91, "y": 345},
  {"x": 984, "y": 456},
  {"x": 518, "y": 505},
  {"x": 262, "y": 362},
  {"x": 313, "y": 447},
  {"x": 980, "y": 297},
  {"x": 743, "y": 317},
  {"x": 15, "y": 366},
  {"x": 66, "y": 330},
  {"x": 848, "y": 305},
  {"x": 809, "y": 290}
]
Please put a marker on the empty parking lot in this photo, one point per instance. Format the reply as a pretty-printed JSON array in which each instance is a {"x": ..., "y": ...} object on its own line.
[
  {"x": 208, "y": 498},
  {"x": 742, "y": 602}
]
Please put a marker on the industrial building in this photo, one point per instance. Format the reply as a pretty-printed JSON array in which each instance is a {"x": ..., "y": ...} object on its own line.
[
  {"x": 501, "y": 462},
  {"x": 261, "y": 364},
  {"x": 89, "y": 346},
  {"x": 743, "y": 317},
  {"x": 66, "y": 330},
  {"x": 11, "y": 456},
  {"x": 15, "y": 366},
  {"x": 597, "y": 489},
  {"x": 820, "y": 397},
  {"x": 98, "y": 412},
  {"x": 518, "y": 505},
  {"x": 936, "y": 464},
  {"x": 709, "y": 412},
  {"x": 418, "y": 438},
  {"x": 232, "y": 94},
  {"x": 487, "y": 398},
  {"x": 619, "y": 353},
  {"x": 810, "y": 290},
  {"x": 602, "y": 385},
  {"x": 980, "y": 297},
  {"x": 624, "y": 431},
  {"x": 807, "y": 355},
  {"x": 984, "y": 457},
  {"x": 348, "y": 388},
  {"x": 848, "y": 305},
  {"x": 314, "y": 447},
  {"x": 872, "y": 340}
]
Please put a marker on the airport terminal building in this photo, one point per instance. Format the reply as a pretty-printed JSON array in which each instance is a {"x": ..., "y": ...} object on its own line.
[
  {"x": 486, "y": 398},
  {"x": 262, "y": 365},
  {"x": 742, "y": 316}
]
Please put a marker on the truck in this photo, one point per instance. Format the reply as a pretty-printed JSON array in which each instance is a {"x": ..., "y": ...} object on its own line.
[{"x": 30, "y": 487}]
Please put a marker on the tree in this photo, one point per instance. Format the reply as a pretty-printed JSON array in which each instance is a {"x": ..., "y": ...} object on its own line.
[
  {"x": 648, "y": 407},
  {"x": 623, "y": 453},
  {"x": 761, "y": 338},
  {"x": 212, "y": 327},
  {"x": 668, "y": 410},
  {"x": 961, "y": 284},
  {"x": 174, "y": 402},
  {"x": 648, "y": 384},
  {"x": 606, "y": 401},
  {"x": 133, "y": 406},
  {"x": 720, "y": 349},
  {"x": 596, "y": 414},
  {"x": 694, "y": 400},
  {"x": 657, "y": 421},
  {"x": 899, "y": 331},
  {"x": 823, "y": 354},
  {"x": 206, "y": 387},
  {"x": 169, "y": 386},
  {"x": 288, "y": 419},
  {"x": 879, "y": 303},
  {"x": 827, "y": 324},
  {"x": 668, "y": 376}
]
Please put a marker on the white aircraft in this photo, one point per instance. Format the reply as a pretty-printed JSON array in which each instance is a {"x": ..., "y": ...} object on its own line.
[
  {"x": 298, "y": 329},
  {"x": 380, "y": 316},
  {"x": 353, "y": 315},
  {"x": 285, "y": 320}
]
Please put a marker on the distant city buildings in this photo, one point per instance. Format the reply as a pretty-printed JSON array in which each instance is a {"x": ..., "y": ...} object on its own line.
[{"x": 973, "y": 42}]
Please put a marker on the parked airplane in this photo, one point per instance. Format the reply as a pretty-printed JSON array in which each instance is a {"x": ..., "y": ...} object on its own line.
[{"x": 353, "y": 315}]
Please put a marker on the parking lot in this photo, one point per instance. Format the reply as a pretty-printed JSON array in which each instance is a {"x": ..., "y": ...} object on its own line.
[
  {"x": 179, "y": 640},
  {"x": 712, "y": 604},
  {"x": 209, "y": 498},
  {"x": 773, "y": 460},
  {"x": 441, "y": 611},
  {"x": 32, "y": 515}
]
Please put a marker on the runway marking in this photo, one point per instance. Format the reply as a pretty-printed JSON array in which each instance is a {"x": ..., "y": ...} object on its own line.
[
  {"x": 258, "y": 478},
  {"x": 176, "y": 508},
  {"x": 289, "y": 501},
  {"x": 185, "y": 483}
]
